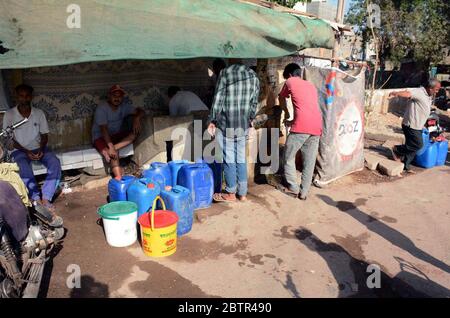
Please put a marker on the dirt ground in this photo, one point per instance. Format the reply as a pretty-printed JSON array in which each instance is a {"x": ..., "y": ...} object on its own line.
[{"x": 276, "y": 246}]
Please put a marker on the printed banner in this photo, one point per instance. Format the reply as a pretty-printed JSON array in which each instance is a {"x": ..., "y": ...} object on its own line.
[{"x": 341, "y": 100}]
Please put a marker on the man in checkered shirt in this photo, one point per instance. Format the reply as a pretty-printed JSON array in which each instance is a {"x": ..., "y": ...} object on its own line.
[{"x": 233, "y": 109}]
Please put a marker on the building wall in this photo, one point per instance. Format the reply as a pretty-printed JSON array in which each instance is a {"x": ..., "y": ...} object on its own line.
[
  {"x": 322, "y": 9},
  {"x": 382, "y": 104}
]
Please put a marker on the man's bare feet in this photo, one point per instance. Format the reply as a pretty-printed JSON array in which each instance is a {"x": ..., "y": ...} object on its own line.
[
  {"x": 49, "y": 206},
  {"x": 242, "y": 198}
]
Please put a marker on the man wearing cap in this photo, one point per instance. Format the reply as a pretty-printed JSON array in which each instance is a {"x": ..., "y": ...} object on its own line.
[{"x": 108, "y": 134}]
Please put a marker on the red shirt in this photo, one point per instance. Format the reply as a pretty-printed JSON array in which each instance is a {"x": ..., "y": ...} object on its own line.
[{"x": 305, "y": 99}]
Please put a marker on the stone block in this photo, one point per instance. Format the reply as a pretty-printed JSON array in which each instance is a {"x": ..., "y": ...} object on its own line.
[
  {"x": 372, "y": 160},
  {"x": 391, "y": 168}
]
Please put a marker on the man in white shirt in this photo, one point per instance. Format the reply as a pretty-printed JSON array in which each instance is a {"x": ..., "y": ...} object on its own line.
[
  {"x": 183, "y": 103},
  {"x": 414, "y": 119},
  {"x": 30, "y": 144}
]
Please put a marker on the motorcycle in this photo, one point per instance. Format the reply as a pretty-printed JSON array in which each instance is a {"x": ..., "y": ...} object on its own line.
[
  {"x": 22, "y": 263},
  {"x": 433, "y": 125}
]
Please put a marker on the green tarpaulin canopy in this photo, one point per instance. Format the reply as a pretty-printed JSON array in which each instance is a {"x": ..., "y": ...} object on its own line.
[{"x": 36, "y": 33}]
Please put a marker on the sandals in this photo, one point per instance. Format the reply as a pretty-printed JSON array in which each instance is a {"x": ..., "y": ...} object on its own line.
[
  {"x": 286, "y": 191},
  {"x": 47, "y": 214},
  {"x": 50, "y": 207},
  {"x": 223, "y": 197}
]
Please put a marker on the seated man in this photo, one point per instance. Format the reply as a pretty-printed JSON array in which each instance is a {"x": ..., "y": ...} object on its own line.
[
  {"x": 108, "y": 134},
  {"x": 183, "y": 103},
  {"x": 30, "y": 143}
]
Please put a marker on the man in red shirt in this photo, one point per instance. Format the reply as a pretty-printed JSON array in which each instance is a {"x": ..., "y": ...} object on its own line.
[{"x": 305, "y": 129}]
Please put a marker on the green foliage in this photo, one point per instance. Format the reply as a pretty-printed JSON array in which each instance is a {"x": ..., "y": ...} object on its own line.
[{"x": 416, "y": 29}]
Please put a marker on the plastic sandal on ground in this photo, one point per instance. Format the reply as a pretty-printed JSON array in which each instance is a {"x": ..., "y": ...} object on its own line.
[
  {"x": 44, "y": 213},
  {"x": 219, "y": 197}
]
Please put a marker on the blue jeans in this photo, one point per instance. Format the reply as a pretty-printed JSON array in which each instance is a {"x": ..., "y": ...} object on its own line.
[
  {"x": 51, "y": 162},
  {"x": 234, "y": 163},
  {"x": 309, "y": 146}
]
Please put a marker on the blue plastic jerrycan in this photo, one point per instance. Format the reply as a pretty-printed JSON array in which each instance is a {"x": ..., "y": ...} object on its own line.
[
  {"x": 442, "y": 151},
  {"x": 143, "y": 193},
  {"x": 178, "y": 199},
  {"x": 198, "y": 179},
  {"x": 159, "y": 172},
  {"x": 428, "y": 157},
  {"x": 175, "y": 166},
  {"x": 426, "y": 141},
  {"x": 117, "y": 189}
]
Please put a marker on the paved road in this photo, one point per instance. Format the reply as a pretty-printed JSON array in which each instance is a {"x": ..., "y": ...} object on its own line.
[{"x": 277, "y": 246}]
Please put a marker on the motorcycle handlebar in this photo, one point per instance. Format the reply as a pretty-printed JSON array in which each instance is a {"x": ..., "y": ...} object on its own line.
[
  {"x": 20, "y": 123},
  {"x": 13, "y": 126}
]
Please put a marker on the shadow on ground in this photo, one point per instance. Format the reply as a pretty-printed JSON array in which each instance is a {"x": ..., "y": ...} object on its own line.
[
  {"x": 90, "y": 288},
  {"x": 48, "y": 269},
  {"x": 388, "y": 233},
  {"x": 404, "y": 284}
]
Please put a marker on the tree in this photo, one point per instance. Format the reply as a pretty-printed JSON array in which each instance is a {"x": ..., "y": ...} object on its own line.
[{"x": 417, "y": 29}]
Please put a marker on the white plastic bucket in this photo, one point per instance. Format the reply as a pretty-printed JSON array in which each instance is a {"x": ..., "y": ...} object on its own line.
[{"x": 119, "y": 222}]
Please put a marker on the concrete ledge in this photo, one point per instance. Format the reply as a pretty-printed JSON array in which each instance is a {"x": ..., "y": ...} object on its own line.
[{"x": 83, "y": 158}]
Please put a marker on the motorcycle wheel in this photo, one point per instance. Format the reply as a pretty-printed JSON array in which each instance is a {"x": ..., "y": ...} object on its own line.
[
  {"x": 59, "y": 233},
  {"x": 7, "y": 289}
]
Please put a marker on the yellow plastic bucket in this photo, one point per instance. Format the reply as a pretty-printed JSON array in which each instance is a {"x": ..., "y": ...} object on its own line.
[{"x": 159, "y": 231}]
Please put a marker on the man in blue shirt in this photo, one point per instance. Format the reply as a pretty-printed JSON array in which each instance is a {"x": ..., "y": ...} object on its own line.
[{"x": 108, "y": 134}]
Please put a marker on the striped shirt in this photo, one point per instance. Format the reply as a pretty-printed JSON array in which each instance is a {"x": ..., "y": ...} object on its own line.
[{"x": 235, "y": 98}]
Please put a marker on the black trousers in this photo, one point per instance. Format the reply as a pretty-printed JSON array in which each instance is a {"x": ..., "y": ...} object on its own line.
[{"x": 413, "y": 143}]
